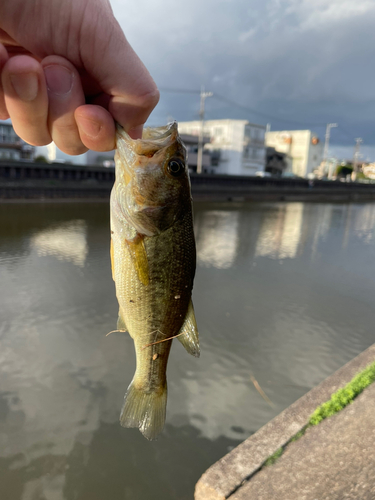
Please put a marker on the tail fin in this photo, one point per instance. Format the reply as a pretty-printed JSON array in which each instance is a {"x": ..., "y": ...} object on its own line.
[{"x": 145, "y": 410}]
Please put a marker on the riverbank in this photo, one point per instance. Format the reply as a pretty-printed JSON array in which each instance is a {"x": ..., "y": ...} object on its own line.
[
  {"x": 61, "y": 181},
  {"x": 329, "y": 461}
]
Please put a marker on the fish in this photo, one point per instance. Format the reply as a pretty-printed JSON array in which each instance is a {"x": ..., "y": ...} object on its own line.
[{"x": 153, "y": 259}]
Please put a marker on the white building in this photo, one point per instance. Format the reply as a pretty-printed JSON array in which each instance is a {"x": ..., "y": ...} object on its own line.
[
  {"x": 302, "y": 147},
  {"x": 369, "y": 170},
  {"x": 13, "y": 147},
  {"x": 237, "y": 145},
  {"x": 53, "y": 154}
]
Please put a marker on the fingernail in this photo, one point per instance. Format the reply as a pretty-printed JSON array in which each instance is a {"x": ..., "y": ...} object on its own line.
[
  {"x": 91, "y": 128},
  {"x": 59, "y": 79},
  {"x": 25, "y": 85}
]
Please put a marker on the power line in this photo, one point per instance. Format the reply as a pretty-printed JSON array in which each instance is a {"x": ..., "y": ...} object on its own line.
[
  {"x": 346, "y": 133},
  {"x": 255, "y": 111},
  {"x": 265, "y": 115},
  {"x": 241, "y": 106}
]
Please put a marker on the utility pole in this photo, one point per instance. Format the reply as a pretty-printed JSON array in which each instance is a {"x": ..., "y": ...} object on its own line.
[
  {"x": 204, "y": 95},
  {"x": 326, "y": 145},
  {"x": 358, "y": 142}
]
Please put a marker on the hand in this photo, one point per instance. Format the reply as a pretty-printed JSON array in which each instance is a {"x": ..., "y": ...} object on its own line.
[{"x": 67, "y": 72}]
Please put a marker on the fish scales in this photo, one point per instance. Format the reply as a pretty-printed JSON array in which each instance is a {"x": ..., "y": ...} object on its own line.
[
  {"x": 158, "y": 314},
  {"x": 153, "y": 264}
]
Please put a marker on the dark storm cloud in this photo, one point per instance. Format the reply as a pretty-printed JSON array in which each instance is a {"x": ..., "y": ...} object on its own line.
[{"x": 303, "y": 63}]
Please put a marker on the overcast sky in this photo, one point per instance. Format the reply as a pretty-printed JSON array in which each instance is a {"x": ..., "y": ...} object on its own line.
[{"x": 295, "y": 63}]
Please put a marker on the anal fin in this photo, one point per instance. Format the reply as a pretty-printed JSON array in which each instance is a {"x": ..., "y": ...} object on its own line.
[
  {"x": 188, "y": 334},
  {"x": 121, "y": 325}
]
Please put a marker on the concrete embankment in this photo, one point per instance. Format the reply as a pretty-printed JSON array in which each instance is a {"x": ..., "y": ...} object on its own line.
[
  {"x": 236, "y": 188},
  {"x": 331, "y": 461},
  {"x": 21, "y": 180},
  {"x": 61, "y": 181}
]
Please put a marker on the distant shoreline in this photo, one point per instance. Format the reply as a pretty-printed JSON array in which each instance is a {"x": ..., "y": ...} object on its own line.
[{"x": 32, "y": 181}]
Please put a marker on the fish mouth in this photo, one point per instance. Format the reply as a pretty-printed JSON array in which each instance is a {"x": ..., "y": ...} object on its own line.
[
  {"x": 159, "y": 133},
  {"x": 153, "y": 143},
  {"x": 153, "y": 140}
]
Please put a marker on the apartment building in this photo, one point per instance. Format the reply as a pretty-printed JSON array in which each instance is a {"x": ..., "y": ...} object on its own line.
[
  {"x": 237, "y": 146},
  {"x": 11, "y": 146},
  {"x": 303, "y": 149}
]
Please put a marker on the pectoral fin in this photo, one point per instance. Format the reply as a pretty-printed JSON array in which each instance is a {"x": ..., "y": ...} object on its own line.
[
  {"x": 139, "y": 257},
  {"x": 189, "y": 330}
]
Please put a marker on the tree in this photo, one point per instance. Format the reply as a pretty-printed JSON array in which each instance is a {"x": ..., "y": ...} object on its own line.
[
  {"x": 40, "y": 159},
  {"x": 344, "y": 170}
]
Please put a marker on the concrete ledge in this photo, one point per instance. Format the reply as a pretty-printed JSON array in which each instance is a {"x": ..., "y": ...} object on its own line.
[{"x": 223, "y": 478}]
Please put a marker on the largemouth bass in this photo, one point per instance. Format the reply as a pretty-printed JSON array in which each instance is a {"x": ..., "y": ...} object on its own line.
[{"x": 153, "y": 264}]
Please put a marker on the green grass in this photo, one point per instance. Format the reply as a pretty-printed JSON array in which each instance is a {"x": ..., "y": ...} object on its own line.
[
  {"x": 272, "y": 459},
  {"x": 344, "y": 396},
  {"x": 338, "y": 401},
  {"x": 299, "y": 434}
]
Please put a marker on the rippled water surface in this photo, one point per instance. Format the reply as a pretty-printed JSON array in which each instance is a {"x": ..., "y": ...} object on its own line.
[{"x": 284, "y": 295}]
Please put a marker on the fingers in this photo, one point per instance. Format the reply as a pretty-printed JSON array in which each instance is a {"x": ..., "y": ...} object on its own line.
[
  {"x": 96, "y": 127},
  {"x": 65, "y": 94},
  {"x": 46, "y": 102},
  {"x": 41, "y": 112},
  {"x": 26, "y": 99}
]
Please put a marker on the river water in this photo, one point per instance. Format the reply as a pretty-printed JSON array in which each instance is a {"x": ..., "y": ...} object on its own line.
[{"x": 284, "y": 296}]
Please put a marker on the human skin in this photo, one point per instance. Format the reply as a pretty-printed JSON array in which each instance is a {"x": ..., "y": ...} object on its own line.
[{"x": 68, "y": 73}]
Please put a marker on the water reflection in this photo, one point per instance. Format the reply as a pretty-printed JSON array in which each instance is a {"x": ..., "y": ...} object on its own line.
[
  {"x": 63, "y": 382},
  {"x": 280, "y": 236},
  {"x": 212, "y": 248},
  {"x": 110, "y": 466},
  {"x": 364, "y": 224},
  {"x": 66, "y": 242}
]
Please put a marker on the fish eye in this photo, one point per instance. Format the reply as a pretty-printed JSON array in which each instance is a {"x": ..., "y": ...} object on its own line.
[{"x": 175, "y": 168}]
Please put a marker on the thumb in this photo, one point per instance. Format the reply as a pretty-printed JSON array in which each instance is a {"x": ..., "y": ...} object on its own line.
[{"x": 120, "y": 74}]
